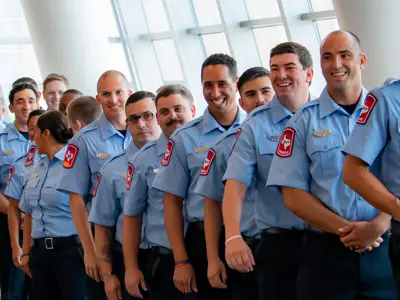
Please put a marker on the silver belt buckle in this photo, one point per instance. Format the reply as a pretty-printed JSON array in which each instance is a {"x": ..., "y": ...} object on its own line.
[{"x": 48, "y": 243}]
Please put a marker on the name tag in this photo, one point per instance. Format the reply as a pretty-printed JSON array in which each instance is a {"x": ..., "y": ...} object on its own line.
[
  {"x": 36, "y": 175},
  {"x": 201, "y": 149},
  {"x": 155, "y": 171},
  {"x": 102, "y": 155},
  {"x": 325, "y": 132},
  {"x": 273, "y": 138},
  {"x": 9, "y": 152}
]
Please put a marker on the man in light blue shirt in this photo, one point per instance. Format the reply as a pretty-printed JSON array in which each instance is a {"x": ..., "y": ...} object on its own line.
[
  {"x": 278, "y": 253},
  {"x": 88, "y": 151},
  {"x": 180, "y": 169},
  {"x": 174, "y": 108},
  {"x": 255, "y": 89},
  {"x": 108, "y": 196},
  {"x": 308, "y": 166}
]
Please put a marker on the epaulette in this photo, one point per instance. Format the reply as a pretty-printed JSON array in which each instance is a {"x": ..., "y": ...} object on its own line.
[
  {"x": 225, "y": 135},
  {"x": 305, "y": 107},
  {"x": 92, "y": 126},
  {"x": 187, "y": 125},
  {"x": 258, "y": 110}
]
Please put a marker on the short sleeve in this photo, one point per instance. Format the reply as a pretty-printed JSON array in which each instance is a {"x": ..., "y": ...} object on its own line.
[
  {"x": 136, "y": 196},
  {"x": 23, "y": 204},
  {"x": 15, "y": 185}
]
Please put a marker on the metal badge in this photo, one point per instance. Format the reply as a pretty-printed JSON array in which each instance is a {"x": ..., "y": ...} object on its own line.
[
  {"x": 201, "y": 149},
  {"x": 9, "y": 152},
  {"x": 35, "y": 175},
  {"x": 125, "y": 176},
  {"x": 155, "y": 171},
  {"x": 273, "y": 138},
  {"x": 324, "y": 132},
  {"x": 102, "y": 155}
]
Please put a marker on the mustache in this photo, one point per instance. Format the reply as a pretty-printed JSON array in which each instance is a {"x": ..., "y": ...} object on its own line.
[{"x": 173, "y": 122}]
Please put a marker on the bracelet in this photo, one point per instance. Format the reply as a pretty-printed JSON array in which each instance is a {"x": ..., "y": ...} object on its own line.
[
  {"x": 233, "y": 237},
  {"x": 181, "y": 263},
  {"x": 24, "y": 254},
  {"x": 106, "y": 274}
]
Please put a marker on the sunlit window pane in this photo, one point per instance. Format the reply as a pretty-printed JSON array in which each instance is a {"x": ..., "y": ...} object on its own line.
[
  {"x": 118, "y": 59},
  {"x": 108, "y": 22},
  {"x": 156, "y": 16},
  {"x": 12, "y": 20},
  {"x": 207, "y": 12},
  {"x": 215, "y": 43},
  {"x": 267, "y": 38},
  {"x": 326, "y": 26},
  {"x": 168, "y": 60},
  {"x": 320, "y": 5},
  {"x": 259, "y": 9}
]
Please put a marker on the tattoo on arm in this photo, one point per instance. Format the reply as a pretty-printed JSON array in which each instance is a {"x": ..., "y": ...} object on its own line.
[{"x": 106, "y": 251}]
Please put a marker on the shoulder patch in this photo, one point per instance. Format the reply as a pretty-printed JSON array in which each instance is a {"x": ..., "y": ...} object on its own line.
[
  {"x": 10, "y": 174},
  {"x": 98, "y": 180},
  {"x": 369, "y": 104},
  {"x": 70, "y": 156},
  {"x": 31, "y": 156},
  {"x": 207, "y": 163},
  {"x": 167, "y": 153},
  {"x": 286, "y": 141},
  {"x": 129, "y": 176}
]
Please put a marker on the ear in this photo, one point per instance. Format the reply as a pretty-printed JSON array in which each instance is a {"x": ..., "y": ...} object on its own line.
[
  {"x": 130, "y": 92},
  {"x": 11, "y": 108},
  {"x": 98, "y": 100},
  {"x": 158, "y": 122},
  {"x": 241, "y": 103},
  {"x": 47, "y": 133},
  {"x": 193, "y": 110},
  {"x": 3, "y": 110},
  {"x": 363, "y": 60},
  {"x": 39, "y": 94},
  {"x": 79, "y": 124},
  {"x": 310, "y": 74}
]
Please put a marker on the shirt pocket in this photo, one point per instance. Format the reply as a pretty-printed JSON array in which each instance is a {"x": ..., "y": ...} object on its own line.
[
  {"x": 326, "y": 156},
  {"x": 32, "y": 191},
  {"x": 266, "y": 151},
  {"x": 196, "y": 161}
]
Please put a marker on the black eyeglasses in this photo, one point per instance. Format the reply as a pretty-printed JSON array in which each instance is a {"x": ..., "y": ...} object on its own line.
[{"x": 134, "y": 119}]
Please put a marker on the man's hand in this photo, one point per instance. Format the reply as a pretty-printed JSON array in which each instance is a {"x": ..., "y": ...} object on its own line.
[
  {"x": 185, "y": 279},
  {"x": 361, "y": 236},
  {"x": 112, "y": 287},
  {"x": 16, "y": 256},
  {"x": 92, "y": 267},
  {"x": 25, "y": 265},
  {"x": 216, "y": 274},
  {"x": 239, "y": 256},
  {"x": 133, "y": 278}
]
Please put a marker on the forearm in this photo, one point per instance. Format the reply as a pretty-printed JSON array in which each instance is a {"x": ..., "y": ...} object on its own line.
[
  {"x": 80, "y": 217},
  {"x": 131, "y": 237},
  {"x": 232, "y": 205},
  {"x": 3, "y": 204},
  {"x": 357, "y": 176},
  {"x": 174, "y": 224},
  {"x": 14, "y": 220},
  {"x": 27, "y": 232},
  {"x": 104, "y": 240},
  {"x": 212, "y": 227},
  {"x": 382, "y": 220},
  {"x": 312, "y": 211}
]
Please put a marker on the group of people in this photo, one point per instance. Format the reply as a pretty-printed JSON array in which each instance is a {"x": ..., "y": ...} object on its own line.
[{"x": 275, "y": 196}]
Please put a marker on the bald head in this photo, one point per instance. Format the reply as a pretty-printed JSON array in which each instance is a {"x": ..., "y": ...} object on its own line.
[
  {"x": 113, "y": 75},
  {"x": 340, "y": 34}
]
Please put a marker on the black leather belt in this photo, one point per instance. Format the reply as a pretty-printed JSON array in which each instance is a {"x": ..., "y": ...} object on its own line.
[
  {"x": 198, "y": 225},
  {"x": 249, "y": 240},
  {"x": 276, "y": 230},
  {"x": 395, "y": 227},
  {"x": 162, "y": 250},
  {"x": 56, "y": 242}
]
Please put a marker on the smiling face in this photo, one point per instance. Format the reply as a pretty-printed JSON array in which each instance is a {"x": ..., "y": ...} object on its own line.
[
  {"x": 52, "y": 93},
  {"x": 341, "y": 61},
  {"x": 24, "y": 102},
  {"x": 256, "y": 92}
]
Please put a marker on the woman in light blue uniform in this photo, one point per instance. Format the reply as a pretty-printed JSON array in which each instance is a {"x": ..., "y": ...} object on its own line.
[{"x": 51, "y": 247}]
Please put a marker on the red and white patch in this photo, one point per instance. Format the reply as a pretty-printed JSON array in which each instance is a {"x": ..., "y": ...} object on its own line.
[
  {"x": 10, "y": 174},
  {"x": 129, "y": 176},
  {"x": 369, "y": 104},
  {"x": 168, "y": 153},
  {"x": 31, "y": 156},
  {"x": 236, "y": 137},
  {"x": 98, "y": 180},
  {"x": 286, "y": 141},
  {"x": 207, "y": 163},
  {"x": 70, "y": 156}
]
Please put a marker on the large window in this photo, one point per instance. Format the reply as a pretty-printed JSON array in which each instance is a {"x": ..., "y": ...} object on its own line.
[
  {"x": 207, "y": 12},
  {"x": 168, "y": 60},
  {"x": 267, "y": 38},
  {"x": 258, "y": 9}
]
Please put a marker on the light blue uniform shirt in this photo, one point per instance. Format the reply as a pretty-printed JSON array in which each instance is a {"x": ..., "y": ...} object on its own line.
[
  {"x": 211, "y": 176},
  {"x": 87, "y": 152},
  {"x": 108, "y": 198},
  {"x": 49, "y": 207},
  {"x": 20, "y": 172},
  {"x": 12, "y": 146},
  {"x": 252, "y": 157},
  {"x": 141, "y": 198},
  {"x": 376, "y": 137},
  {"x": 309, "y": 157},
  {"x": 184, "y": 157}
]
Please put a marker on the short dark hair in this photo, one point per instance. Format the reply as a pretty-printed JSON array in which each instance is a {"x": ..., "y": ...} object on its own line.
[
  {"x": 221, "y": 59},
  {"x": 20, "y": 87},
  {"x": 137, "y": 96},
  {"x": 29, "y": 80},
  {"x": 73, "y": 91},
  {"x": 251, "y": 74},
  {"x": 302, "y": 52},
  {"x": 85, "y": 109},
  {"x": 57, "y": 124},
  {"x": 34, "y": 113},
  {"x": 174, "y": 89},
  {"x": 54, "y": 77}
]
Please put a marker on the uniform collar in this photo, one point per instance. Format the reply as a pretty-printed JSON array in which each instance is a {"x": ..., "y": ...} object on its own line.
[
  {"x": 132, "y": 149},
  {"x": 107, "y": 129},
  {"x": 279, "y": 111},
  {"x": 209, "y": 123},
  {"x": 161, "y": 144},
  {"x": 61, "y": 153},
  {"x": 328, "y": 106},
  {"x": 13, "y": 134}
]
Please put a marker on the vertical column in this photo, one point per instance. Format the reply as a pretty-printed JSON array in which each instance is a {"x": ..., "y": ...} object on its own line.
[
  {"x": 68, "y": 38},
  {"x": 376, "y": 23}
]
